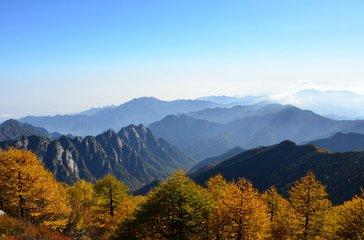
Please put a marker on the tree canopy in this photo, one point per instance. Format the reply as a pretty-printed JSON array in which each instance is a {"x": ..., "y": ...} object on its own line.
[
  {"x": 36, "y": 205},
  {"x": 29, "y": 191}
]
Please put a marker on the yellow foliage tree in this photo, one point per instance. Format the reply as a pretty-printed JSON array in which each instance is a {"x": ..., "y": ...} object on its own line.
[
  {"x": 82, "y": 215},
  {"x": 217, "y": 187},
  {"x": 238, "y": 212},
  {"x": 351, "y": 219},
  {"x": 108, "y": 194},
  {"x": 29, "y": 191},
  {"x": 176, "y": 209},
  {"x": 124, "y": 212},
  {"x": 279, "y": 215},
  {"x": 309, "y": 200}
]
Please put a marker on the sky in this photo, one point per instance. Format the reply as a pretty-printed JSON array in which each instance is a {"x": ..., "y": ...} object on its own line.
[{"x": 67, "y": 56}]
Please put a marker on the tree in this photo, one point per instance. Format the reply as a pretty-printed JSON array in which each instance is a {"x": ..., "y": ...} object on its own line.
[
  {"x": 177, "y": 209},
  {"x": 217, "y": 187},
  {"x": 29, "y": 191},
  {"x": 124, "y": 214},
  {"x": 82, "y": 215},
  {"x": 279, "y": 214},
  {"x": 108, "y": 194},
  {"x": 238, "y": 211},
  {"x": 309, "y": 200},
  {"x": 351, "y": 219}
]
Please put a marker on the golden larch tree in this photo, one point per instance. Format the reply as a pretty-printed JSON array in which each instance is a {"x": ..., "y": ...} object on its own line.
[
  {"x": 176, "y": 209},
  {"x": 351, "y": 219},
  {"x": 279, "y": 214},
  {"x": 239, "y": 211},
  {"x": 108, "y": 194},
  {"x": 29, "y": 191},
  {"x": 81, "y": 199},
  {"x": 310, "y": 203}
]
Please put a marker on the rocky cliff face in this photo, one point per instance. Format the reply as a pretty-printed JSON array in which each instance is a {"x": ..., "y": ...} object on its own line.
[{"x": 133, "y": 155}]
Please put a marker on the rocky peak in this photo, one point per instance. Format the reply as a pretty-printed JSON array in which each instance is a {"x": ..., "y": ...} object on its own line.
[{"x": 129, "y": 155}]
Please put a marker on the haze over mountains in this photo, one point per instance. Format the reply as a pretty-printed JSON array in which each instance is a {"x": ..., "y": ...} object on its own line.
[
  {"x": 338, "y": 105},
  {"x": 209, "y": 126},
  {"x": 137, "y": 111},
  {"x": 261, "y": 125},
  {"x": 201, "y": 136}
]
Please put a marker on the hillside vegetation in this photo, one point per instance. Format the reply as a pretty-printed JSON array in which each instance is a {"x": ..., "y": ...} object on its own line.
[{"x": 177, "y": 208}]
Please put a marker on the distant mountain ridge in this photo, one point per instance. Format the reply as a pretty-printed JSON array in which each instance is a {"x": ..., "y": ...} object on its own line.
[
  {"x": 282, "y": 164},
  {"x": 213, "y": 161},
  {"x": 143, "y": 110},
  {"x": 133, "y": 155},
  {"x": 227, "y": 115},
  {"x": 339, "y": 105},
  {"x": 263, "y": 126},
  {"x": 197, "y": 137},
  {"x": 342, "y": 142},
  {"x": 13, "y": 129}
]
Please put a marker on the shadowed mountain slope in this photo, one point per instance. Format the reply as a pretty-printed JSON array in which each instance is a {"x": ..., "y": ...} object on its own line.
[
  {"x": 213, "y": 161},
  {"x": 12, "y": 129},
  {"x": 285, "y": 163}
]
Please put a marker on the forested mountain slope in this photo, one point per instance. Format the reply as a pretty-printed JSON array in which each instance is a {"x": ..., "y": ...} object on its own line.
[{"x": 282, "y": 164}]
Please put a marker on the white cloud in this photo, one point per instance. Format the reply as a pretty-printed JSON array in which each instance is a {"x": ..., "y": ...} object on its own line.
[{"x": 307, "y": 84}]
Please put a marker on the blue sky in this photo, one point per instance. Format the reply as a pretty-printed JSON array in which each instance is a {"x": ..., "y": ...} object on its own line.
[{"x": 64, "y": 56}]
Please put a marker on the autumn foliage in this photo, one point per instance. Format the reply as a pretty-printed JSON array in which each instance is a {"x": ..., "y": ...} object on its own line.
[
  {"x": 30, "y": 192},
  {"x": 37, "y": 206}
]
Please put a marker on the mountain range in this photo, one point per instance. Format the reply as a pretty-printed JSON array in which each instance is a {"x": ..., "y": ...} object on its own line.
[
  {"x": 340, "y": 105},
  {"x": 133, "y": 155},
  {"x": 337, "y": 105},
  {"x": 282, "y": 164},
  {"x": 204, "y": 136},
  {"x": 143, "y": 110},
  {"x": 141, "y": 160},
  {"x": 247, "y": 127}
]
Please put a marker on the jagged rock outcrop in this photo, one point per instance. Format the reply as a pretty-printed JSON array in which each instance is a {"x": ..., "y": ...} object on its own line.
[{"x": 133, "y": 155}]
